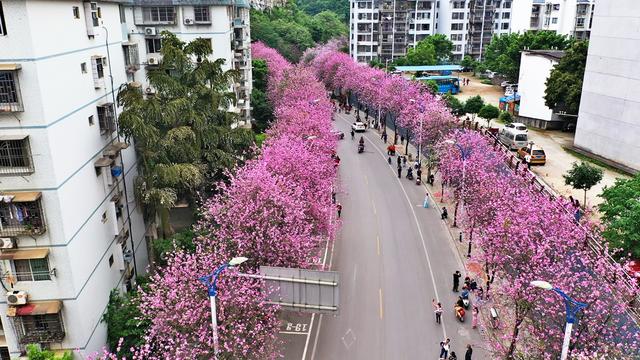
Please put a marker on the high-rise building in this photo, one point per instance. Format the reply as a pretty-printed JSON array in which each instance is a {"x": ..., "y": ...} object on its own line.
[
  {"x": 70, "y": 228},
  {"x": 567, "y": 17},
  {"x": 608, "y": 123},
  {"x": 386, "y": 29}
]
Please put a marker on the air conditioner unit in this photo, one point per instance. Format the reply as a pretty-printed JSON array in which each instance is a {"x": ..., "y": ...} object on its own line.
[
  {"x": 152, "y": 60},
  {"x": 150, "y": 31},
  {"x": 188, "y": 21},
  {"x": 149, "y": 91},
  {"x": 17, "y": 297},
  {"x": 7, "y": 243}
]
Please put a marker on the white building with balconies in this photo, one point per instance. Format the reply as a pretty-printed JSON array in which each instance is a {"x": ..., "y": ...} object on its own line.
[
  {"x": 566, "y": 17},
  {"x": 70, "y": 228}
]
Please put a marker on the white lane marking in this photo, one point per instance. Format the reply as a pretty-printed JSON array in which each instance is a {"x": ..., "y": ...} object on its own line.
[
  {"x": 415, "y": 217},
  {"x": 355, "y": 272},
  {"x": 373, "y": 206},
  {"x": 378, "y": 243},
  {"x": 381, "y": 307}
]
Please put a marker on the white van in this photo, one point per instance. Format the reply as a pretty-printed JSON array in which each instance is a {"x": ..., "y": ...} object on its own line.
[{"x": 514, "y": 139}]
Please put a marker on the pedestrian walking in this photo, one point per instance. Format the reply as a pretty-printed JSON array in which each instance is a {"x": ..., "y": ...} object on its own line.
[
  {"x": 399, "y": 172},
  {"x": 425, "y": 204},
  {"x": 339, "y": 207},
  {"x": 467, "y": 355},
  {"x": 404, "y": 161},
  {"x": 444, "y": 349},
  {"x": 384, "y": 136},
  {"x": 456, "y": 280},
  {"x": 445, "y": 213},
  {"x": 474, "y": 317},
  {"x": 399, "y": 160},
  {"x": 333, "y": 197},
  {"x": 437, "y": 310},
  {"x": 401, "y": 139},
  {"x": 453, "y": 356}
]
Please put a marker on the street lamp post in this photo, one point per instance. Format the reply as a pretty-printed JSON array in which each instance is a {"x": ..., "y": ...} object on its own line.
[
  {"x": 420, "y": 133},
  {"x": 571, "y": 306},
  {"x": 211, "y": 281}
]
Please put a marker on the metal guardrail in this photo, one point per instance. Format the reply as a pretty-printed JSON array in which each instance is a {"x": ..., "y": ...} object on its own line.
[{"x": 593, "y": 240}]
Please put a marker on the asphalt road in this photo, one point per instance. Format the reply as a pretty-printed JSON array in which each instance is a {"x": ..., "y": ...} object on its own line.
[{"x": 393, "y": 256}]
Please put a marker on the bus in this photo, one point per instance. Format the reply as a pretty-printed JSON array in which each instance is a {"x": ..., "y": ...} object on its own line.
[{"x": 446, "y": 84}]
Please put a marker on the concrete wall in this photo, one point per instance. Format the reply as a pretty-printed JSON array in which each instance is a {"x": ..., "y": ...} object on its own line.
[
  {"x": 608, "y": 122},
  {"x": 534, "y": 71}
]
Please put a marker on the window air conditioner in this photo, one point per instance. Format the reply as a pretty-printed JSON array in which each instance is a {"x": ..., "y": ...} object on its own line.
[
  {"x": 17, "y": 297},
  {"x": 151, "y": 60},
  {"x": 188, "y": 21},
  {"x": 149, "y": 91},
  {"x": 150, "y": 31},
  {"x": 7, "y": 243}
]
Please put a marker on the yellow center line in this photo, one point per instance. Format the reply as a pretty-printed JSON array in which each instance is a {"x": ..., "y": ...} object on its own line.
[
  {"x": 378, "y": 244},
  {"x": 380, "y": 294}
]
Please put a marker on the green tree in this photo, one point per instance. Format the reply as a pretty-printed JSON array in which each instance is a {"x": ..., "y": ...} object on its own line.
[
  {"x": 455, "y": 105},
  {"x": 621, "y": 215},
  {"x": 489, "y": 112},
  {"x": 473, "y": 105},
  {"x": 502, "y": 55},
  {"x": 442, "y": 45},
  {"x": 34, "y": 353},
  {"x": 182, "y": 240},
  {"x": 327, "y": 25},
  {"x": 583, "y": 177},
  {"x": 262, "y": 108},
  {"x": 468, "y": 62},
  {"x": 506, "y": 117},
  {"x": 183, "y": 137},
  {"x": 564, "y": 85},
  {"x": 313, "y": 7},
  {"x": 433, "y": 87},
  {"x": 124, "y": 321},
  {"x": 423, "y": 54}
]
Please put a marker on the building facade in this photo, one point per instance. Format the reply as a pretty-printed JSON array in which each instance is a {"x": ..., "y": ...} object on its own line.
[
  {"x": 386, "y": 29},
  {"x": 567, "y": 17},
  {"x": 70, "y": 228},
  {"x": 535, "y": 68},
  {"x": 608, "y": 124}
]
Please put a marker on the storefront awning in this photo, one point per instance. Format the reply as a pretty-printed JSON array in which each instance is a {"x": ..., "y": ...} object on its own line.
[
  {"x": 26, "y": 196},
  {"x": 23, "y": 254},
  {"x": 10, "y": 67},
  {"x": 36, "y": 308}
]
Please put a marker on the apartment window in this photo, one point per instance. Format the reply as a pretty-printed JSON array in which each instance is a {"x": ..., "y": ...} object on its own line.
[
  {"x": 506, "y": 15},
  {"x": 97, "y": 66},
  {"x": 3, "y": 26},
  {"x": 495, "y": 26},
  {"x": 21, "y": 214},
  {"x": 457, "y": 16},
  {"x": 507, "y": 5},
  {"x": 32, "y": 269},
  {"x": 457, "y": 27},
  {"x": 457, "y": 48},
  {"x": 131, "y": 59},
  {"x": 154, "y": 45},
  {"x": 76, "y": 12},
  {"x": 83, "y": 67},
  {"x": 505, "y": 26},
  {"x": 15, "y": 155},
  {"x": 580, "y": 22},
  {"x": 40, "y": 329},
  {"x": 546, "y": 21},
  {"x": 201, "y": 14},
  {"x": 111, "y": 260},
  {"x": 159, "y": 15},
  {"x": 106, "y": 118},
  {"x": 10, "y": 100},
  {"x": 91, "y": 121},
  {"x": 554, "y": 20},
  {"x": 556, "y": 6},
  {"x": 497, "y": 15}
]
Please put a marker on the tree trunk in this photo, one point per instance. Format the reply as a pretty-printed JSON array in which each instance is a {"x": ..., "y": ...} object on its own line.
[
  {"x": 455, "y": 215},
  {"x": 584, "y": 201},
  {"x": 514, "y": 339}
]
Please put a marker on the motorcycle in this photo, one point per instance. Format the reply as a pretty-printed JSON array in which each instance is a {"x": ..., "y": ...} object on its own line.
[
  {"x": 465, "y": 299},
  {"x": 459, "y": 312},
  {"x": 360, "y": 148}
]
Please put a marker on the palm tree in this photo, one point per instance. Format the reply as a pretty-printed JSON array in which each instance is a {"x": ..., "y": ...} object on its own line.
[{"x": 182, "y": 133}]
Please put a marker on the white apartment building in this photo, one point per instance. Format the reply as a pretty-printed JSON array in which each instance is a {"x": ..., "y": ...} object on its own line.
[
  {"x": 608, "y": 123},
  {"x": 386, "y": 29},
  {"x": 70, "y": 228},
  {"x": 567, "y": 17}
]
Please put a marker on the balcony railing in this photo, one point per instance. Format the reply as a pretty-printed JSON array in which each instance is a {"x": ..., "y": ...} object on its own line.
[
  {"x": 21, "y": 213},
  {"x": 38, "y": 329},
  {"x": 15, "y": 155},
  {"x": 10, "y": 98}
]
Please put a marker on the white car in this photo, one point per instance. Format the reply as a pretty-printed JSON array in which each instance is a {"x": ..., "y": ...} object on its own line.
[
  {"x": 358, "y": 126},
  {"x": 517, "y": 126}
]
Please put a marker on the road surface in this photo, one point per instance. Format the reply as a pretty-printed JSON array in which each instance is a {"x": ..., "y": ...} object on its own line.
[{"x": 394, "y": 257}]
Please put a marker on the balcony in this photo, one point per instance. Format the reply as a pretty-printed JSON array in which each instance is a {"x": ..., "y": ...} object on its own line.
[
  {"x": 21, "y": 213},
  {"x": 238, "y": 23},
  {"x": 106, "y": 118},
  {"x": 10, "y": 98},
  {"x": 38, "y": 322}
]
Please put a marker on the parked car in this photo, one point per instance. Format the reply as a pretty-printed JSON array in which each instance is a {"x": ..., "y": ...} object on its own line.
[
  {"x": 632, "y": 267},
  {"x": 489, "y": 74},
  {"x": 517, "y": 126},
  {"x": 338, "y": 134},
  {"x": 533, "y": 155},
  {"x": 513, "y": 139},
  {"x": 358, "y": 126},
  {"x": 504, "y": 84}
]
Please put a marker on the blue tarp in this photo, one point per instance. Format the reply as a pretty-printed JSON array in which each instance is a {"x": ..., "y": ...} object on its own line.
[
  {"x": 429, "y": 68},
  {"x": 510, "y": 98},
  {"x": 437, "y": 77}
]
